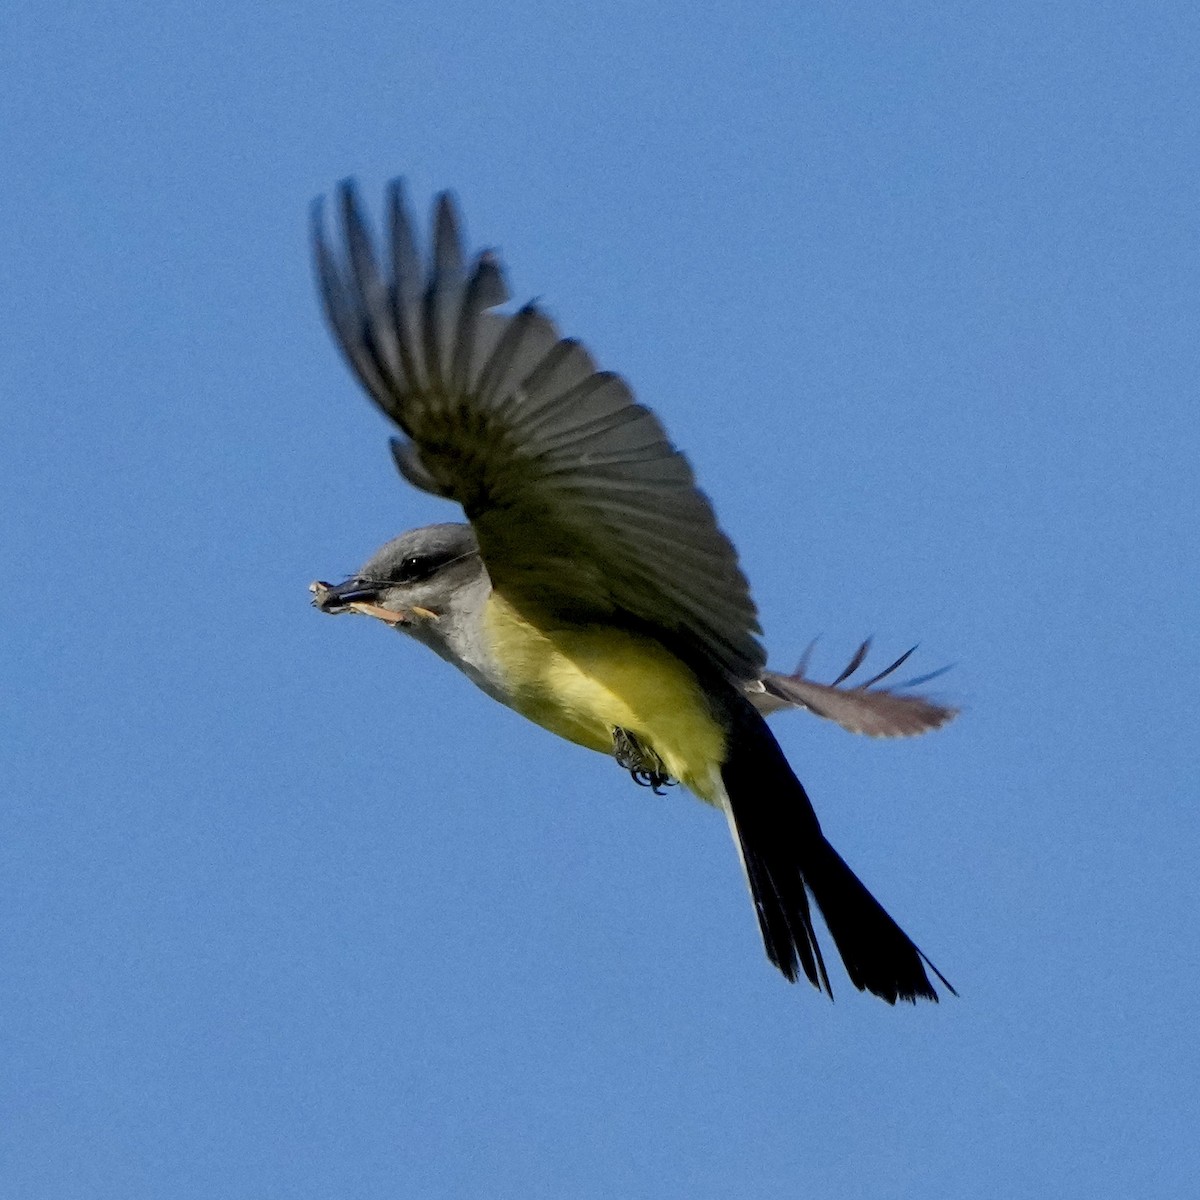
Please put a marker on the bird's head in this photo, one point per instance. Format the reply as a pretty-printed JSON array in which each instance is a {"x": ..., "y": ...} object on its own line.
[{"x": 414, "y": 581}]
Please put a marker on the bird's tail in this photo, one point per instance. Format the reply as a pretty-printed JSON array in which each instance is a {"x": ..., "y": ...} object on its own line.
[{"x": 787, "y": 860}]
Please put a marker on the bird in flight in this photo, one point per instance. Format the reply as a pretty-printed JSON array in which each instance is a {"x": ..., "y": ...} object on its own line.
[{"x": 592, "y": 590}]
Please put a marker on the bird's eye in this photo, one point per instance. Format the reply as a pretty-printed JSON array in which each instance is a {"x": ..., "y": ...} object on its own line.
[
  {"x": 418, "y": 567},
  {"x": 413, "y": 569}
]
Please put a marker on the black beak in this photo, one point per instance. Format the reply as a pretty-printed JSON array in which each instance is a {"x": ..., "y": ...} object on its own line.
[{"x": 338, "y": 599}]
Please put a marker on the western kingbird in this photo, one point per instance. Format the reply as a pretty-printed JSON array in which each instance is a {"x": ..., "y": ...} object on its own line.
[{"x": 593, "y": 591}]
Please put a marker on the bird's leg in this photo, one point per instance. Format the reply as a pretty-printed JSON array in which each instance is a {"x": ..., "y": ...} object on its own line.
[{"x": 647, "y": 769}]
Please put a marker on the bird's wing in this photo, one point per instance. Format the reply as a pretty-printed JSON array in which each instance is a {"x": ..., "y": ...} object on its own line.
[
  {"x": 580, "y": 502},
  {"x": 859, "y": 707}
]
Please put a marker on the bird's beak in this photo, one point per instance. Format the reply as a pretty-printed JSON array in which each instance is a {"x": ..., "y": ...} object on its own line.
[
  {"x": 338, "y": 598},
  {"x": 358, "y": 597}
]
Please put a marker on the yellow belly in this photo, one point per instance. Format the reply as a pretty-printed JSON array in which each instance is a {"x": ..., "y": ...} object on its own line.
[{"x": 581, "y": 683}]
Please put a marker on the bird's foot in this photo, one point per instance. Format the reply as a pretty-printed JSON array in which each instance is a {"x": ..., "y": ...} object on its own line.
[{"x": 647, "y": 769}]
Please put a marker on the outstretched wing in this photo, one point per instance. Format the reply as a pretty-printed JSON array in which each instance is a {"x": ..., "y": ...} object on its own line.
[
  {"x": 581, "y": 503},
  {"x": 858, "y": 707}
]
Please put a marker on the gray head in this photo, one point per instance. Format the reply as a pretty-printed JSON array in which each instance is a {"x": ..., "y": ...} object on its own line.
[
  {"x": 432, "y": 584},
  {"x": 423, "y": 576}
]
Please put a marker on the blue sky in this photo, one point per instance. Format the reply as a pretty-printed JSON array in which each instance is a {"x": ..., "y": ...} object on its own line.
[{"x": 290, "y": 910}]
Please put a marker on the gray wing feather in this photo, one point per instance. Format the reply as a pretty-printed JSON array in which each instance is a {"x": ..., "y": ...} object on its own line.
[
  {"x": 527, "y": 338},
  {"x": 580, "y": 501},
  {"x": 405, "y": 293},
  {"x": 443, "y": 301},
  {"x": 880, "y": 713},
  {"x": 860, "y": 708},
  {"x": 408, "y": 462}
]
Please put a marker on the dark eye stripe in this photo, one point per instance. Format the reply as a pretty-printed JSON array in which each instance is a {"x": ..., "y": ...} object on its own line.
[
  {"x": 419, "y": 567},
  {"x": 415, "y": 568}
]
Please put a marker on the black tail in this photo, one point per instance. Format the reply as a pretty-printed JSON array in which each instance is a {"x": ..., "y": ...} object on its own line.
[{"x": 788, "y": 859}]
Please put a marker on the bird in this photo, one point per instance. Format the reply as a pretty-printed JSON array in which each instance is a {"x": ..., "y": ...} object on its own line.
[{"x": 591, "y": 588}]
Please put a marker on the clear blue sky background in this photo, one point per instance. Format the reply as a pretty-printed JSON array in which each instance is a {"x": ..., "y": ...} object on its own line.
[{"x": 290, "y": 910}]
